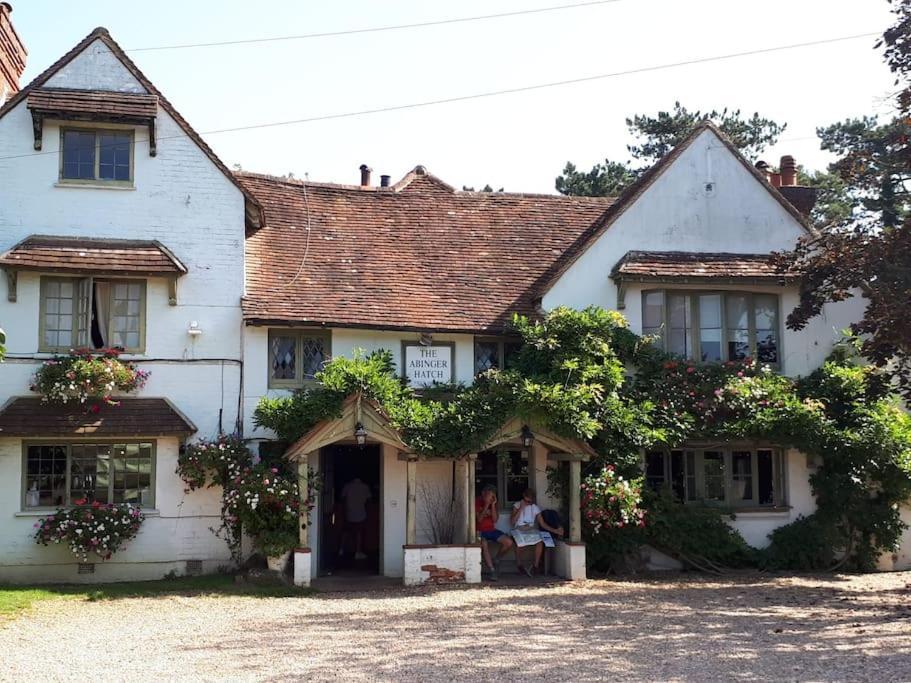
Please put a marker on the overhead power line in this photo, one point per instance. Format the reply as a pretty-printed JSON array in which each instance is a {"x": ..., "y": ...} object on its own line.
[
  {"x": 377, "y": 29},
  {"x": 505, "y": 91}
]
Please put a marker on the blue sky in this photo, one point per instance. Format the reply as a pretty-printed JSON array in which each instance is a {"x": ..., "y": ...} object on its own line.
[{"x": 518, "y": 141}]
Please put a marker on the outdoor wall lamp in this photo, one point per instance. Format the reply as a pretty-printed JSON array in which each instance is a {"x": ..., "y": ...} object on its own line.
[
  {"x": 194, "y": 330},
  {"x": 527, "y": 436},
  {"x": 360, "y": 435}
]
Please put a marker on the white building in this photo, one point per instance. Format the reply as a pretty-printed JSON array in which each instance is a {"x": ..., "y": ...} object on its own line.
[{"x": 230, "y": 287}]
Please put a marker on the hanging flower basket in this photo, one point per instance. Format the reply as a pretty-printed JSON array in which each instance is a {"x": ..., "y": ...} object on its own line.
[
  {"x": 99, "y": 529},
  {"x": 84, "y": 374}
]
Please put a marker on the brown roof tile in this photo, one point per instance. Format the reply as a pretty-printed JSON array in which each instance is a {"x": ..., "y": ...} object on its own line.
[
  {"x": 98, "y": 256},
  {"x": 416, "y": 256},
  {"x": 27, "y": 416},
  {"x": 661, "y": 266},
  {"x": 96, "y": 102}
]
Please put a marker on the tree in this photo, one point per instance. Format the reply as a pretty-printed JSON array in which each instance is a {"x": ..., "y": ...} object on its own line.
[
  {"x": 870, "y": 252},
  {"x": 655, "y": 136},
  {"x": 486, "y": 188}
]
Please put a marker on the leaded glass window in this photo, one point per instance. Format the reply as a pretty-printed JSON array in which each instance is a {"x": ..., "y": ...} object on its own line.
[
  {"x": 295, "y": 356},
  {"x": 494, "y": 353}
]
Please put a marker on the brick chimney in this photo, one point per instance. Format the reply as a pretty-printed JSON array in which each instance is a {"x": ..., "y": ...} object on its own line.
[
  {"x": 801, "y": 197},
  {"x": 12, "y": 54}
]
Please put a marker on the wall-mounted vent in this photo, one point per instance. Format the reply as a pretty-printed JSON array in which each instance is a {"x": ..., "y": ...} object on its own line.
[
  {"x": 194, "y": 567},
  {"x": 86, "y": 568}
]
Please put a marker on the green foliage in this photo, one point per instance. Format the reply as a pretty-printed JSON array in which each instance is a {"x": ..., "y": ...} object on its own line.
[
  {"x": 658, "y": 135},
  {"x": 2, "y": 344},
  {"x": 260, "y": 499},
  {"x": 697, "y": 536},
  {"x": 807, "y": 544},
  {"x": 570, "y": 376},
  {"x": 603, "y": 180}
]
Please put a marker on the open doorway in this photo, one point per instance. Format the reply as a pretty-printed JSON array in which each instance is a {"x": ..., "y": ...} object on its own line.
[{"x": 350, "y": 506}]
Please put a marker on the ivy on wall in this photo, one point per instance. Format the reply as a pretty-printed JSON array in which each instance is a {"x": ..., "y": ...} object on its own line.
[{"x": 584, "y": 374}]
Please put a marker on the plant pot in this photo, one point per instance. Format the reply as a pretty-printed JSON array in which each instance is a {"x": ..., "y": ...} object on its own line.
[{"x": 277, "y": 563}]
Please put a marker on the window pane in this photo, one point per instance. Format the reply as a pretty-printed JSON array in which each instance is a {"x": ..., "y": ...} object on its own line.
[
  {"x": 742, "y": 475},
  {"x": 79, "y": 155},
  {"x": 486, "y": 356},
  {"x": 738, "y": 322},
  {"x": 766, "y": 306},
  {"x": 114, "y": 156},
  {"x": 313, "y": 356},
  {"x": 653, "y": 314},
  {"x": 510, "y": 352},
  {"x": 283, "y": 357},
  {"x": 766, "y": 475},
  {"x": 58, "y": 313},
  {"x": 654, "y": 469},
  {"x": 126, "y": 306},
  {"x": 678, "y": 475},
  {"x": 713, "y": 475},
  {"x": 679, "y": 324},
  {"x": 45, "y": 476},
  {"x": 691, "y": 493},
  {"x": 516, "y": 473},
  {"x": 710, "y": 327}
]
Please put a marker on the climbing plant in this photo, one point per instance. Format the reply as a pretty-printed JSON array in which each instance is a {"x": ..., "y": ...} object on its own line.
[{"x": 584, "y": 374}]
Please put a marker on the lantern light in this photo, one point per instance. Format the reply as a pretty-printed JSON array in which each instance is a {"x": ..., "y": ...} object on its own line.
[
  {"x": 360, "y": 434},
  {"x": 527, "y": 436}
]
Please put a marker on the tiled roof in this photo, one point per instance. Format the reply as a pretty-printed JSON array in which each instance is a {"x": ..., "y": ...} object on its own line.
[
  {"x": 95, "y": 102},
  {"x": 659, "y": 266},
  {"x": 252, "y": 209},
  {"x": 99, "y": 256},
  {"x": 415, "y": 256},
  {"x": 27, "y": 416}
]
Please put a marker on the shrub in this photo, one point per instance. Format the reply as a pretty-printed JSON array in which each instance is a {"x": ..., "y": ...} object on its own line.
[
  {"x": 84, "y": 375},
  {"x": 98, "y": 528}
]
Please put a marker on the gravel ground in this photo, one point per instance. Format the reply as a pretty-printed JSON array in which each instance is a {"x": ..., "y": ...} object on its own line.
[{"x": 747, "y": 627}]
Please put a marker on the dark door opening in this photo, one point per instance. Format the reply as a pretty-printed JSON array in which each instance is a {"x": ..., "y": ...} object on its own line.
[{"x": 350, "y": 510}]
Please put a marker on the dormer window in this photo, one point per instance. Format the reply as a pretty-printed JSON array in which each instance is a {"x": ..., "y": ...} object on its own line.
[{"x": 96, "y": 156}]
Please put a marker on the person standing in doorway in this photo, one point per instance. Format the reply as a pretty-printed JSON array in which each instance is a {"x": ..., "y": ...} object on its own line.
[{"x": 355, "y": 495}]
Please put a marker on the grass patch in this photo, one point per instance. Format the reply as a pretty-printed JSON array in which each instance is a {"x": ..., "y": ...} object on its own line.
[{"x": 14, "y": 599}]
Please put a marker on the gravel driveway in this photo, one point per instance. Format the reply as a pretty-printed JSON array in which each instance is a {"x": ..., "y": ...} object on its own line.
[{"x": 749, "y": 627}]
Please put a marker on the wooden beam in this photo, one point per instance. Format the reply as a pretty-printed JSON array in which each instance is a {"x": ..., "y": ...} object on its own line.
[
  {"x": 575, "y": 507},
  {"x": 472, "y": 531},
  {"x": 303, "y": 469},
  {"x": 411, "y": 503},
  {"x": 172, "y": 291}
]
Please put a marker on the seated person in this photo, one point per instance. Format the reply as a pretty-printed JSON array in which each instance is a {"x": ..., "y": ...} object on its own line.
[
  {"x": 527, "y": 518},
  {"x": 487, "y": 513}
]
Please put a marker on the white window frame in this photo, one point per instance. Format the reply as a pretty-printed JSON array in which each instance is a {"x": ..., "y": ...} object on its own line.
[
  {"x": 779, "y": 472},
  {"x": 68, "y": 445},
  {"x": 694, "y": 337},
  {"x": 83, "y": 291}
]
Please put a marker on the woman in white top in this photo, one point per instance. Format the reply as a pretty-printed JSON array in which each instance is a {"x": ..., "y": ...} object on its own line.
[{"x": 526, "y": 515}]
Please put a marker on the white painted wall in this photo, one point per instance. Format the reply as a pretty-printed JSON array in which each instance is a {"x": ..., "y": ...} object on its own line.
[
  {"x": 177, "y": 530},
  {"x": 344, "y": 342},
  {"x": 183, "y": 200},
  {"x": 677, "y": 214}
]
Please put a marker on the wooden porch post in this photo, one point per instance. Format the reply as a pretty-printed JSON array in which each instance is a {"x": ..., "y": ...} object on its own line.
[
  {"x": 471, "y": 535},
  {"x": 303, "y": 466},
  {"x": 411, "y": 503},
  {"x": 575, "y": 507}
]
